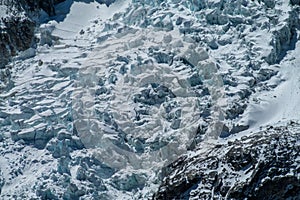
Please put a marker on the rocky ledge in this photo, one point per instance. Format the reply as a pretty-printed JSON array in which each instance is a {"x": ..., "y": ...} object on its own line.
[
  {"x": 17, "y": 25},
  {"x": 16, "y": 35},
  {"x": 18, "y": 20},
  {"x": 265, "y": 165}
]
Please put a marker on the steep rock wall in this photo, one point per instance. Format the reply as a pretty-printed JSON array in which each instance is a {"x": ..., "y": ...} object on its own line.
[
  {"x": 17, "y": 26},
  {"x": 262, "y": 166}
]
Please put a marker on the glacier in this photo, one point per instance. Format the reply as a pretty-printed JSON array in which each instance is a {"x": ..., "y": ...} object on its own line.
[{"x": 152, "y": 100}]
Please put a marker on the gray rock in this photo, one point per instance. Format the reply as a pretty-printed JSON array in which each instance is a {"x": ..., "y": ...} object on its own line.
[
  {"x": 106, "y": 2},
  {"x": 225, "y": 132},
  {"x": 58, "y": 148},
  {"x": 238, "y": 128},
  {"x": 236, "y": 20},
  {"x": 284, "y": 38},
  {"x": 73, "y": 192},
  {"x": 42, "y": 136},
  {"x": 112, "y": 78},
  {"x": 235, "y": 110},
  {"x": 176, "y": 124},
  {"x": 295, "y": 2},
  {"x": 62, "y": 135},
  {"x": 94, "y": 166},
  {"x": 46, "y": 5},
  {"x": 17, "y": 32},
  {"x": 266, "y": 158},
  {"x": 179, "y": 20},
  {"x": 265, "y": 74},
  {"x": 213, "y": 44},
  {"x": 2, "y": 181},
  {"x": 195, "y": 5},
  {"x": 16, "y": 35}
]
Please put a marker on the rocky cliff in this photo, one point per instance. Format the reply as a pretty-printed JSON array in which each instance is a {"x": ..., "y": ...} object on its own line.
[
  {"x": 18, "y": 25},
  {"x": 262, "y": 166}
]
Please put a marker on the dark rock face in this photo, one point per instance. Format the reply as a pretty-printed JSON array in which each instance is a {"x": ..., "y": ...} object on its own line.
[
  {"x": 16, "y": 36},
  {"x": 17, "y": 30},
  {"x": 262, "y": 166},
  {"x": 46, "y": 5},
  {"x": 295, "y": 2}
]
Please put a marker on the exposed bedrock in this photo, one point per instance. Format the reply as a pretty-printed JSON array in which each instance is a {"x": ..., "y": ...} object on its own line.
[
  {"x": 46, "y": 5},
  {"x": 295, "y": 2},
  {"x": 17, "y": 27},
  {"x": 16, "y": 35},
  {"x": 262, "y": 166}
]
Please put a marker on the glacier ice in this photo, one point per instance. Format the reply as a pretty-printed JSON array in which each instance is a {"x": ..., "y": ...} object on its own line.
[{"x": 99, "y": 115}]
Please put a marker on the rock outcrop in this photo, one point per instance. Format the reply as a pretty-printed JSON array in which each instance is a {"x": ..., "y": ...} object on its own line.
[
  {"x": 295, "y": 2},
  {"x": 262, "y": 166},
  {"x": 16, "y": 35},
  {"x": 46, "y": 5},
  {"x": 18, "y": 25}
]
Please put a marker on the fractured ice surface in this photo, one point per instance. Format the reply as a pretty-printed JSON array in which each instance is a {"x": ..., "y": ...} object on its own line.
[
  {"x": 143, "y": 97},
  {"x": 105, "y": 103}
]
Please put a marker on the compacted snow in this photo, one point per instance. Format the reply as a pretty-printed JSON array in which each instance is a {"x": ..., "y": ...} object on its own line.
[
  {"x": 73, "y": 16},
  {"x": 282, "y": 103}
]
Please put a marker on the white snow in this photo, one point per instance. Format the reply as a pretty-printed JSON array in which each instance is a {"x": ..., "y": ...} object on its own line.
[
  {"x": 30, "y": 173},
  {"x": 281, "y": 104},
  {"x": 81, "y": 15},
  {"x": 3, "y": 11}
]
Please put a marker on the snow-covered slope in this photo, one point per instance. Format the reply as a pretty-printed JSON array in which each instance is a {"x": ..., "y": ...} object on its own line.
[
  {"x": 112, "y": 95},
  {"x": 279, "y": 104}
]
